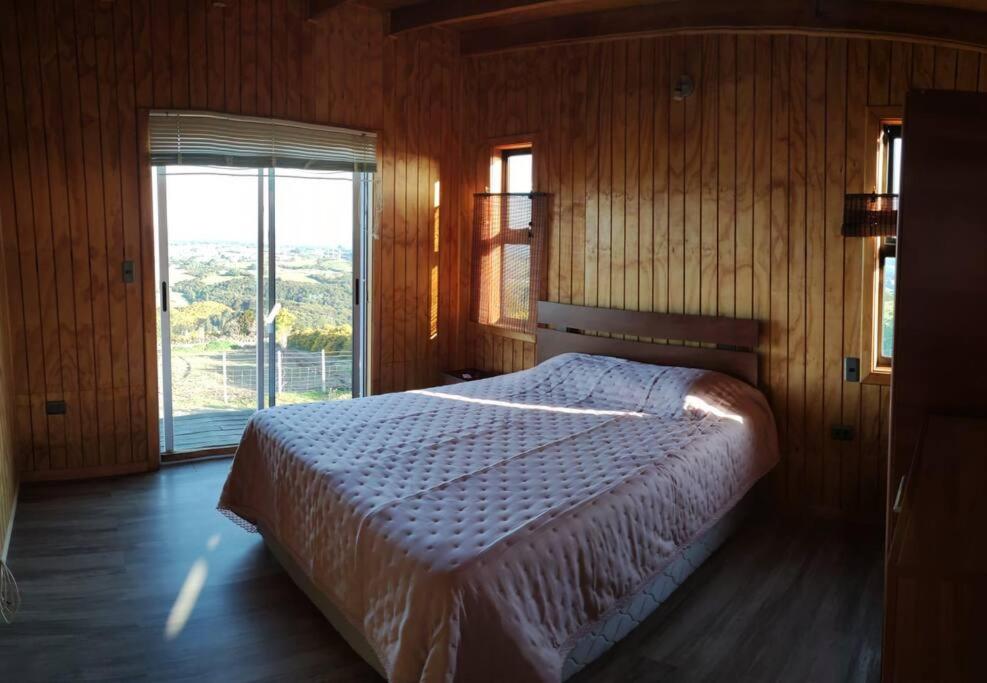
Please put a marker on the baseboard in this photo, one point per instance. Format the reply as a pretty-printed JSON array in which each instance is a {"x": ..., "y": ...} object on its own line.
[
  {"x": 9, "y": 531},
  {"x": 97, "y": 472},
  {"x": 202, "y": 454}
]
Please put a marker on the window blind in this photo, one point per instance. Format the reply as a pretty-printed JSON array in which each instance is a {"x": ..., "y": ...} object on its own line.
[{"x": 188, "y": 138}]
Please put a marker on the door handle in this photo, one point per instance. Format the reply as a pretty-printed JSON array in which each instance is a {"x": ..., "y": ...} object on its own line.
[
  {"x": 899, "y": 497},
  {"x": 164, "y": 297},
  {"x": 273, "y": 314}
]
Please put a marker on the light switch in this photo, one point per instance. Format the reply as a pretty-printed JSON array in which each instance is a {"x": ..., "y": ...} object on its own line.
[
  {"x": 128, "y": 271},
  {"x": 851, "y": 369}
]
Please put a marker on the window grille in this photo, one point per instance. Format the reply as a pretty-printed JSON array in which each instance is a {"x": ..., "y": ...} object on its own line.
[
  {"x": 509, "y": 236},
  {"x": 870, "y": 215}
]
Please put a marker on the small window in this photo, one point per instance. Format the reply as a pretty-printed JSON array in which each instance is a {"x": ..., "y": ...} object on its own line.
[
  {"x": 509, "y": 242},
  {"x": 891, "y": 139},
  {"x": 515, "y": 257},
  {"x": 517, "y": 169},
  {"x": 880, "y": 253},
  {"x": 887, "y": 249},
  {"x": 887, "y": 262}
]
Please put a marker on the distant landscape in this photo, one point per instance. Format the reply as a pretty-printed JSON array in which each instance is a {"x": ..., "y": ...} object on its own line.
[
  {"x": 214, "y": 293},
  {"x": 214, "y": 323},
  {"x": 887, "y": 315}
]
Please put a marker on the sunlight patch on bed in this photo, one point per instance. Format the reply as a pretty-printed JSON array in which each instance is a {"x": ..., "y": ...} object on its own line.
[
  {"x": 696, "y": 403},
  {"x": 526, "y": 406}
]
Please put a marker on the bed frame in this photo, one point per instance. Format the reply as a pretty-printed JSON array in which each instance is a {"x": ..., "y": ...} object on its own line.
[{"x": 727, "y": 343}]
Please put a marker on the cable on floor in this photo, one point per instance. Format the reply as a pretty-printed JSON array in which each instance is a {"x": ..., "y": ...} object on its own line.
[{"x": 10, "y": 597}]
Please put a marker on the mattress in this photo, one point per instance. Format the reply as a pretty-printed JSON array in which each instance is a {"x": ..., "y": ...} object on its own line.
[
  {"x": 479, "y": 532},
  {"x": 597, "y": 640}
]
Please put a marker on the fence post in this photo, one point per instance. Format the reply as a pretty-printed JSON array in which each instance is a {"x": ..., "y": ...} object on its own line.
[
  {"x": 280, "y": 373},
  {"x": 323, "y": 371},
  {"x": 226, "y": 394}
]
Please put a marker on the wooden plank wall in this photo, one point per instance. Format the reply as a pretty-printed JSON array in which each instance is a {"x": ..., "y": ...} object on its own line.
[
  {"x": 726, "y": 203},
  {"x": 73, "y": 78},
  {"x": 418, "y": 248},
  {"x": 8, "y": 471}
]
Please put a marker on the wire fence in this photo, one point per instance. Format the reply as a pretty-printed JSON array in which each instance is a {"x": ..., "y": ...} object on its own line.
[
  {"x": 295, "y": 371},
  {"x": 221, "y": 379}
]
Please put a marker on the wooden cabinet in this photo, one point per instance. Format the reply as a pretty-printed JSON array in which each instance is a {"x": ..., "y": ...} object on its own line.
[
  {"x": 937, "y": 562},
  {"x": 936, "y": 601}
]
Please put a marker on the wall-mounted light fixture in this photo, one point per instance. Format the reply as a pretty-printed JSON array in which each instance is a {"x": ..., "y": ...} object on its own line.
[{"x": 683, "y": 88}]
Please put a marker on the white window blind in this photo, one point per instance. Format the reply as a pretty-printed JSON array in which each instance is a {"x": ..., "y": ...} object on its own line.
[{"x": 206, "y": 139}]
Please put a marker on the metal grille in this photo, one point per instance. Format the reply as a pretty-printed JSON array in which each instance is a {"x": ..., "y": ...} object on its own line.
[
  {"x": 870, "y": 215},
  {"x": 509, "y": 235}
]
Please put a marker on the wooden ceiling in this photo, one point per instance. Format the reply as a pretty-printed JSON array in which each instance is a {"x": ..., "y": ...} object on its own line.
[{"x": 494, "y": 25}]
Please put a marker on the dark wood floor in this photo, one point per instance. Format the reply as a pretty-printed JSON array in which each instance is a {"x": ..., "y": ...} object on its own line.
[{"x": 101, "y": 566}]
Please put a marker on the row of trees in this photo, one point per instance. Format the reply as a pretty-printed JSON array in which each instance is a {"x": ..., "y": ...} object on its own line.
[
  {"x": 206, "y": 320},
  {"x": 331, "y": 339},
  {"x": 202, "y": 320}
]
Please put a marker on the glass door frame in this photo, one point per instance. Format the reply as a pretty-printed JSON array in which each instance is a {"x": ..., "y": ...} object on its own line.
[
  {"x": 363, "y": 229},
  {"x": 363, "y": 202},
  {"x": 164, "y": 310}
]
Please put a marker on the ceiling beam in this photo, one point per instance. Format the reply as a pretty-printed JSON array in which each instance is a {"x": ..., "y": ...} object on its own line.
[
  {"x": 318, "y": 8},
  {"x": 838, "y": 17},
  {"x": 439, "y": 12}
]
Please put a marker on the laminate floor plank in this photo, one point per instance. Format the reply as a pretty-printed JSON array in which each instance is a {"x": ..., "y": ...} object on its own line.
[{"x": 141, "y": 579}]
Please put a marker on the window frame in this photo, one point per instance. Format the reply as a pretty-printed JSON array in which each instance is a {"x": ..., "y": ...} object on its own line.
[
  {"x": 515, "y": 150},
  {"x": 513, "y": 236},
  {"x": 885, "y": 247},
  {"x": 497, "y": 153},
  {"x": 876, "y": 367}
]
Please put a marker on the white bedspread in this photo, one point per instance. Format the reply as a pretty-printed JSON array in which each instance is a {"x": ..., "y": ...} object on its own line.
[{"x": 471, "y": 532}]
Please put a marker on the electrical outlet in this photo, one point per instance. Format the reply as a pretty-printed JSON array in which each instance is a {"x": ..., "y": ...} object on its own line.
[
  {"x": 55, "y": 407},
  {"x": 842, "y": 432}
]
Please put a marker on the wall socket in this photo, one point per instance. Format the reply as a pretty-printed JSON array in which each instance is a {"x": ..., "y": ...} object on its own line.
[
  {"x": 841, "y": 432},
  {"x": 55, "y": 407}
]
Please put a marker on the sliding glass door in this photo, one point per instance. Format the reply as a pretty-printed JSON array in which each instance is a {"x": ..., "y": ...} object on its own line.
[{"x": 262, "y": 282}]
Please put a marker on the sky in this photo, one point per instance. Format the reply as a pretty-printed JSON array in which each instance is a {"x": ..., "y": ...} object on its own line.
[{"x": 312, "y": 208}]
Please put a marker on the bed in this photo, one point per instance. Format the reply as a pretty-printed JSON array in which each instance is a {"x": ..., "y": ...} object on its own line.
[{"x": 514, "y": 528}]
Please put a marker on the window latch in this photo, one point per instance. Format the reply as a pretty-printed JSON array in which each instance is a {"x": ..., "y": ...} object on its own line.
[{"x": 887, "y": 251}]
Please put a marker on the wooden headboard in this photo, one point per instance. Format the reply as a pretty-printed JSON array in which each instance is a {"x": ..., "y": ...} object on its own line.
[{"x": 562, "y": 329}]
